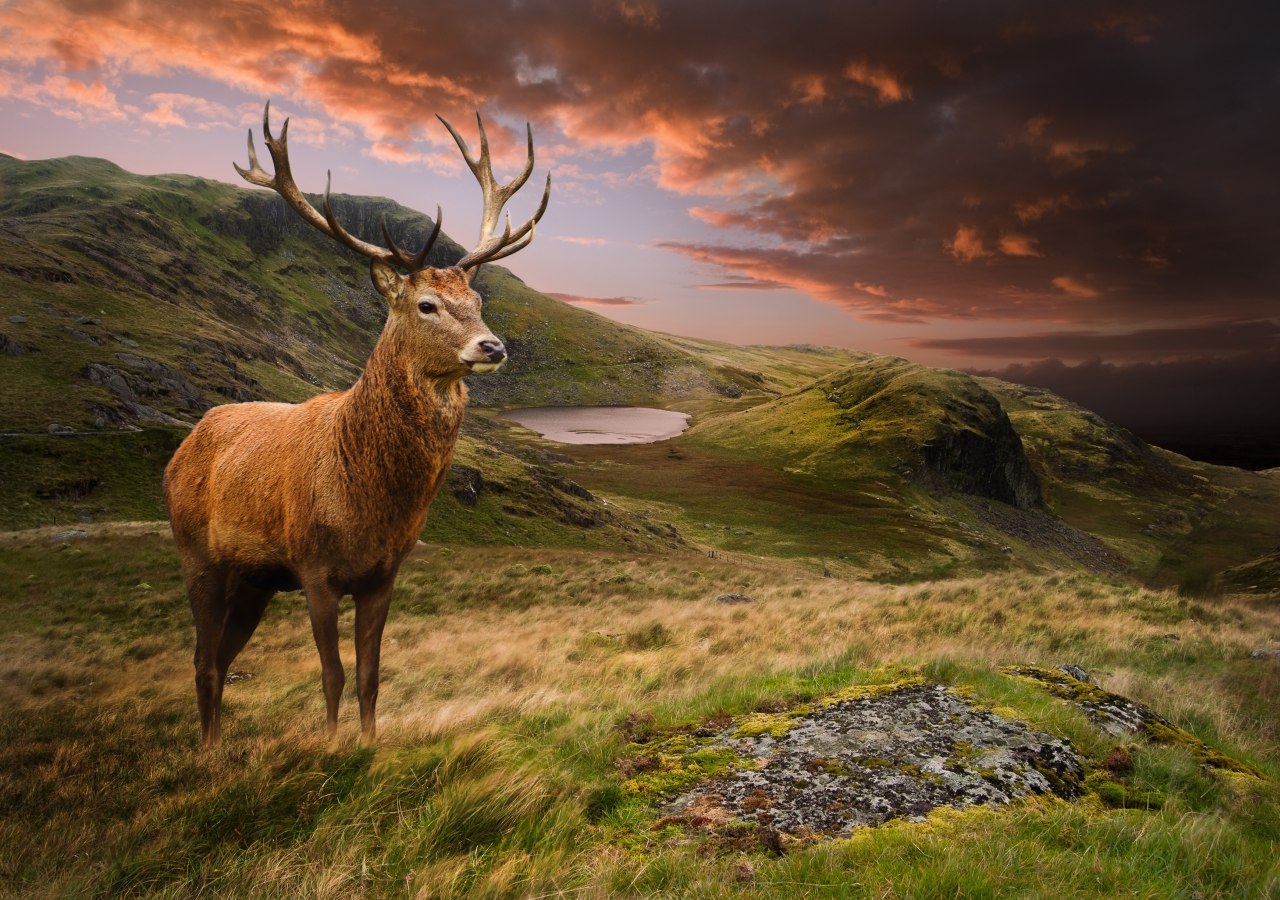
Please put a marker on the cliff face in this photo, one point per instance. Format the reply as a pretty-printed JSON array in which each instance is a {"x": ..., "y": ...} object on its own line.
[
  {"x": 936, "y": 428},
  {"x": 956, "y": 431},
  {"x": 987, "y": 465}
]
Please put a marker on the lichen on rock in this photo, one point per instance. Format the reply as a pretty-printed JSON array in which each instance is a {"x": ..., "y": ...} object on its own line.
[
  {"x": 1117, "y": 715},
  {"x": 865, "y": 759}
]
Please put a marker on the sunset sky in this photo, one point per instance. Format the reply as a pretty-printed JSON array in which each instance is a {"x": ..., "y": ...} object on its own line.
[{"x": 1087, "y": 192}]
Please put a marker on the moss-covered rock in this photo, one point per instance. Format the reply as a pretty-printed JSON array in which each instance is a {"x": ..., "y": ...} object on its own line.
[
  {"x": 1118, "y": 715},
  {"x": 862, "y": 757}
]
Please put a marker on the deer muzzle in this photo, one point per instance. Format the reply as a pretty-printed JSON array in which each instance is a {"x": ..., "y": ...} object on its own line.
[{"x": 485, "y": 354}]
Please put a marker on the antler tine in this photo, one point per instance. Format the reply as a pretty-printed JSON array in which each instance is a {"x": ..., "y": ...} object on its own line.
[
  {"x": 527, "y": 227},
  {"x": 344, "y": 237},
  {"x": 519, "y": 180},
  {"x": 491, "y": 246},
  {"x": 416, "y": 260},
  {"x": 472, "y": 164},
  {"x": 283, "y": 184},
  {"x": 498, "y": 247},
  {"x": 512, "y": 248},
  {"x": 486, "y": 161},
  {"x": 255, "y": 174}
]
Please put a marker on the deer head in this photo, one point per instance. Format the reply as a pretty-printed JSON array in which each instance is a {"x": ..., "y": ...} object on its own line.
[{"x": 434, "y": 320}]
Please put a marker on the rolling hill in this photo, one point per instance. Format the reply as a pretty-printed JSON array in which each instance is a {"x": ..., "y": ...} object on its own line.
[
  {"x": 591, "y": 631},
  {"x": 138, "y": 302}
]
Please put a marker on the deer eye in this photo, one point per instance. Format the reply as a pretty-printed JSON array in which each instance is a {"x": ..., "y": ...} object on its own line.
[{"x": 426, "y": 307}]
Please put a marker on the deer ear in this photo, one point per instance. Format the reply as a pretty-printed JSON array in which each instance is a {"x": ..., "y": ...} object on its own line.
[{"x": 387, "y": 280}]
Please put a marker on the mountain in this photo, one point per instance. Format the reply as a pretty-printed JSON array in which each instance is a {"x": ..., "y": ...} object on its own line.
[
  {"x": 133, "y": 300},
  {"x": 133, "y": 304}
]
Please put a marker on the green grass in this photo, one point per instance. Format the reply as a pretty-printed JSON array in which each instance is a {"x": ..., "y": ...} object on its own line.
[
  {"x": 516, "y": 683},
  {"x": 65, "y": 480}
]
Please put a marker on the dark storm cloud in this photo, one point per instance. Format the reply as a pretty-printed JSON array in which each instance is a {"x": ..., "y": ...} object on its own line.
[
  {"x": 1225, "y": 411},
  {"x": 913, "y": 161},
  {"x": 1197, "y": 342}
]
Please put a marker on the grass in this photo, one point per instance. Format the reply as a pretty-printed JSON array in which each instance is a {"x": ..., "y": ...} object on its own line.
[
  {"x": 67, "y": 480},
  {"x": 514, "y": 680}
]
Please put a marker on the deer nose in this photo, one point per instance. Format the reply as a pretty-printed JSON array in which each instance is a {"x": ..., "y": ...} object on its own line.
[{"x": 493, "y": 350}]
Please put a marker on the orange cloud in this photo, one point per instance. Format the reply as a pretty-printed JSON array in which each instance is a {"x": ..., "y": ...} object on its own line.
[
  {"x": 1076, "y": 153},
  {"x": 809, "y": 88},
  {"x": 1035, "y": 210},
  {"x": 174, "y": 109},
  {"x": 875, "y": 290},
  {"x": 390, "y": 151},
  {"x": 888, "y": 88},
  {"x": 68, "y": 98},
  {"x": 1018, "y": 245},
  {"x": 579, "y": 300},
  {"x": 967, "y": 245},
  {"x": 1074, "y": 287}
]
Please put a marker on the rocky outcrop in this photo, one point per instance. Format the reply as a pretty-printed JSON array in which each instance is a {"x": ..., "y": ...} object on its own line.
[
  {"x": 138, "y": 386},
  {"x": 884, "y": 417},
  {"x": 947, "y": 430},
  {"x": 896, "y": 752}
]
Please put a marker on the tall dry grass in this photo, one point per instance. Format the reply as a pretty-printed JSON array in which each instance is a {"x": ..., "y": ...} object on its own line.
[{"x": 508, "y": 677}]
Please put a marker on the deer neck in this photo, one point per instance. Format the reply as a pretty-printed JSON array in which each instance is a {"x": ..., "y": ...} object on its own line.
[{"x": 397, "y": 429}]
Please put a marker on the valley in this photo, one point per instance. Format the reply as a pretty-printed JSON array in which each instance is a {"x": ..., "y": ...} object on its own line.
[{"x": 561, "y": 640}]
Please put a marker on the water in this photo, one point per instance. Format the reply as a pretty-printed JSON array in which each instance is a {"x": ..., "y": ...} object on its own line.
[{"x": 600, "y": 424}]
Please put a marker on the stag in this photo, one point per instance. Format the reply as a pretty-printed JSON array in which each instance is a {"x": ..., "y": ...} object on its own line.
[{"x": 330, "y": 495}]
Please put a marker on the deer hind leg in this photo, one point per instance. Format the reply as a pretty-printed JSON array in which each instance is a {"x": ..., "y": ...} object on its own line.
[
  {"x": 207, "y": 592},
  {"x": 371, "y": 616},
  {"x": 322, "y": 603},
  {"x": 246, "y": 603}
]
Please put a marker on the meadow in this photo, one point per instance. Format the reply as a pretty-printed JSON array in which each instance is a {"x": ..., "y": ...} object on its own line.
[{"x": 517, "y": 685}]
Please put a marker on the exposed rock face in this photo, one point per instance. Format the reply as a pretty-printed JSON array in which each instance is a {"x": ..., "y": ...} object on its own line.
[
  {"x": 143, "y": 380},
  {"x": 882, "y": 416},
  {"x": 863, "y": 761},
  {"x": 963, "y": 439},
  {"x": 465, "y": 483},
  {"x": 987, "y": 464}
]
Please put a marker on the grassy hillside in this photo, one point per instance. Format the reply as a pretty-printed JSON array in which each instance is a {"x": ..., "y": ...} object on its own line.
[
  {"x": 1175, "y": 521},
  {"x": 137, "y": 301},
  {"x": 898, "y": 471},
  {"x": 134, "y": 300},
  {"x": 141, "y": 301}
]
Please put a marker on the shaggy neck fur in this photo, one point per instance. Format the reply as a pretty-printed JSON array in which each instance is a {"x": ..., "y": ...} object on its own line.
[{"x": 396, "y": 434}]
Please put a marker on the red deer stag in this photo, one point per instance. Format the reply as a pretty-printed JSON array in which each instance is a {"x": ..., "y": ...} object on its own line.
[{"x": 330, "y": 495}]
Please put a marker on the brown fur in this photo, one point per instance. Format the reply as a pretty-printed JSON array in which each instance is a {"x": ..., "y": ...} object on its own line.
[{"x": 328, "y": 495}]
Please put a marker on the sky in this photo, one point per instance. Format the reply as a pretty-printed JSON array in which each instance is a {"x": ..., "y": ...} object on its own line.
[{"x": 1083, "y": 196}]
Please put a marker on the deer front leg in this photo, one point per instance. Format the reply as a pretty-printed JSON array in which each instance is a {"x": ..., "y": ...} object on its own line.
[
  {"x": 371, "y": 616},
  {"x": 322, "y": 604}
]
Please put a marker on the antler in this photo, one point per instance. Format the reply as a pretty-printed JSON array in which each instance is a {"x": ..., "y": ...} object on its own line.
[
  {"x": 494, "y": 247},
  {"x": 283, "y": 184}
]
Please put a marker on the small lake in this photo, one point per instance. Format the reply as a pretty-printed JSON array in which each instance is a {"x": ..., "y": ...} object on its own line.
[{"x": 600, "y": 424}]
